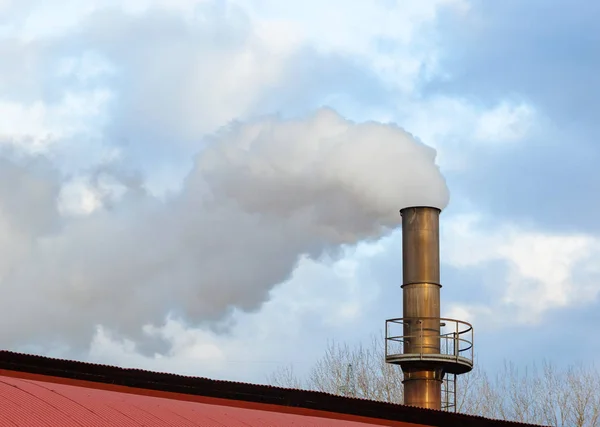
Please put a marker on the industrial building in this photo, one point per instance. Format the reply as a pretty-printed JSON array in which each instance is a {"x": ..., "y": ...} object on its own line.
[{"x": 39, "y": 391}]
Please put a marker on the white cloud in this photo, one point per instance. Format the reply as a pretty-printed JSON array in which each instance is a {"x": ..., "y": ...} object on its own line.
[
  {"x": 455, "y": 126},
  {"x": 547, "y": 264},
  {"x": 117, "y": 88},
  {"x": 204, "y": 72},
  {"x": 544, "y": 270},
  {"x": 507, "y": 122},
  {"x": 392, "y": 37},
  {"x": 78, "y": 198},
  {"x": 399, "y": 47},
  {"x": 84, "y": 67},
  {"x": 83, "y": 195},
  {"x": 213, "y": 62},
  {"x": 37, "y": 126},
  {"x": 40, "y": 19}
]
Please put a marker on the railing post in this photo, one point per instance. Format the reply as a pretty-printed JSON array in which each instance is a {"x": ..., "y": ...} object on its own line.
[
  {"x": 472, "y": 344},
  {"x": 456, "y": 343},
  {"x": 386, "y": 338}
]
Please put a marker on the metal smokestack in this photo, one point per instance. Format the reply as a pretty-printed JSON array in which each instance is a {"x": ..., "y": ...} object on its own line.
[
  {"x": 421, "y": 299},
  {"x": 431, "y": 350}
]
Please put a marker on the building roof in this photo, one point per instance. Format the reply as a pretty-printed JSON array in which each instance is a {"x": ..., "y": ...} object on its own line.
[{"x": 37, "y": 390}]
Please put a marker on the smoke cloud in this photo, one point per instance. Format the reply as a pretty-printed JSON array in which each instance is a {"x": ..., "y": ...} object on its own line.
[{"x": 260, "y": 196}]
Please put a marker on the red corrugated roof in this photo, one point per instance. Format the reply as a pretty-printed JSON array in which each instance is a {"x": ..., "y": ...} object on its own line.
[
  {"x": 25, "y": 402},
  {"x": 36, "y": 390}
]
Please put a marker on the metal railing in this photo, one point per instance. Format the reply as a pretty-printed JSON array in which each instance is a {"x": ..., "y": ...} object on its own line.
[{"x": 455, "y": 338}]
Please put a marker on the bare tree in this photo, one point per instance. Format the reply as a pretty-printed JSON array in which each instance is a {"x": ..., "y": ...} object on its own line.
[
  {"x": 286, "y": 377},
  {"x": 561, "y": 397},
  {"x": 474, "y": 392},
  {"x": 358, "y": 371},
  {"x": 571, "y": 397}
]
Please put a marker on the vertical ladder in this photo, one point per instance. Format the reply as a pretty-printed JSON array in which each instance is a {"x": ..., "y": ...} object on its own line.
[{"x": 449, "y": 393}]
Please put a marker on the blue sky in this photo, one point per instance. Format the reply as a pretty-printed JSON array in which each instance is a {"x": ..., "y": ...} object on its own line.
[{"x": 105, "y": 107}]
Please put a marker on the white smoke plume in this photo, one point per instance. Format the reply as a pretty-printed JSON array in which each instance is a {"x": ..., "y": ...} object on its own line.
[{"x": 259, "y": 196}]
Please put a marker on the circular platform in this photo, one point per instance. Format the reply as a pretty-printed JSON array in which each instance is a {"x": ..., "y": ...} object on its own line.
[
  {"x": 446, "y": 343},
  {"x": 450, "y": 364}
]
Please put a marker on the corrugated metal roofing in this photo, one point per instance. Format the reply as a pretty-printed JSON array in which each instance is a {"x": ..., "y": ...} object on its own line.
[
  {"x": 32, "y": 403},
  {"x": 101, "y": 383}
]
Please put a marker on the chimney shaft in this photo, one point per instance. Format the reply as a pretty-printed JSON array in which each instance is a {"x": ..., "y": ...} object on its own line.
[
  {"x": 421, "y": 300},
  {"x": 430, "y": 369}
]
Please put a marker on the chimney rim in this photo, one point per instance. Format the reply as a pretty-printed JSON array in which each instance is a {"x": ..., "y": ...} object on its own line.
[{"x": 420, "y": 207}]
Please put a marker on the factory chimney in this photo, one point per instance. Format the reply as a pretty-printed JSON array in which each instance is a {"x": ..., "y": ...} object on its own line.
[{"x": 431, "y": 350}]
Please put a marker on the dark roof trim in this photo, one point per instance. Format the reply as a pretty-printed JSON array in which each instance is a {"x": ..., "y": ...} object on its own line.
[{"x": 205, "y": 387}]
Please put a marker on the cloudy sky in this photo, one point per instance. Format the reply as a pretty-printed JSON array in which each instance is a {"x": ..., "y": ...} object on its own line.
[{"x": 212, "y": 187}]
